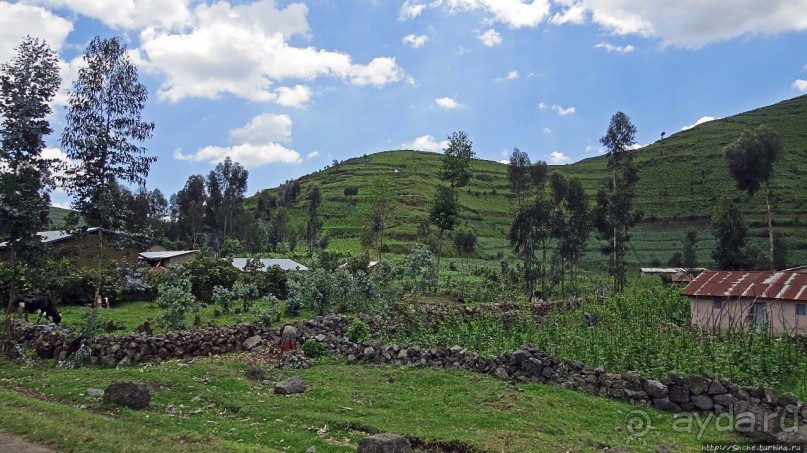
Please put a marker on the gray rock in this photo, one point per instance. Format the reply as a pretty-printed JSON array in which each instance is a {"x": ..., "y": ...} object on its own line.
[
  {"x": 787, "y": 399},
  {"x": 520, "y": 355},
  {"x": 533, "y": 366},
  {"x": 794, "y": 435},
  {"x": 697, "y": 384},
  {"x": 403, "y": 354},
  {"x": 666, "y": 405},
  {"x": 252, "y": 342},
  {"x": 726, "y": 400},
  {"x": 256, "y": 373},
  {"x": 655, "y": 389},
  {"x": 501, "y": 373},
  {"x": 384, "y": 443},
  {"x": 702, "y": 402},
  {"x": 715, "y": 388},
  {"x": 369, "y": 351},
  {"x": 320, "y": 338},
  {"x": 133, "y": 395},
  {"x": 311, "y": 449},
  {"x": 95, "y": 392},
  {"x": 678, "y": 394},
  {"x": 290, "y": 386}
]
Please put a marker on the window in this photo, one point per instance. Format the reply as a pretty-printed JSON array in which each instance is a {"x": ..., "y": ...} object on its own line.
[
  {"x": 717, "y": 304},
  {"x": 801, "y": 309}
]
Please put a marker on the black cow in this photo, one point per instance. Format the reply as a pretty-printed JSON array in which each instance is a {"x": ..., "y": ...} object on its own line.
[{"x": 41, "y": 305}]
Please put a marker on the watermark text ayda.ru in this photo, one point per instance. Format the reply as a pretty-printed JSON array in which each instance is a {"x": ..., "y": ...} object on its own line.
[{"x": 638, "y": 422}]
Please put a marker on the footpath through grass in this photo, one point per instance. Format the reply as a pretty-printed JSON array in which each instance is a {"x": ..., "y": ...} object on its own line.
[{"x": 209, "y": 405}]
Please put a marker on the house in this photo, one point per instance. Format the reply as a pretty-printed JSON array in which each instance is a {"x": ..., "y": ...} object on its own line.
[
  {"x": 370, "y": 265},
  {"x": 283, "y": 263},
  {"x": 168, "y": 258},
  {"x": 733, "y": 300},
  {"x": 85, "y": 247},
  {"x": 676, "y": 274}
]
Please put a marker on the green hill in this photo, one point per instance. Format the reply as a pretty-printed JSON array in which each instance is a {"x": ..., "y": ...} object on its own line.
[{"x": 681, "y": 177}]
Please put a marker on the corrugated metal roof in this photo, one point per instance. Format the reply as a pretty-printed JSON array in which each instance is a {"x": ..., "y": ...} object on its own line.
[
  {"x": 669, "y": 270},
  {"x": 53, "y": 236},
  {"x": 782, "y": 285},
  {"x": 164, "y": 255},
  {"x": 285, "y": 264}
]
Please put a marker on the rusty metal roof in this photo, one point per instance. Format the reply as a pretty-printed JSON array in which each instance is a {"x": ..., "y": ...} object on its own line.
[{"x": 783, "y": 285}]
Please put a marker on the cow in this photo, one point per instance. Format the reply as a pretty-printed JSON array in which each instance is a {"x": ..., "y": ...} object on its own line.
[{"x": 41, "y": 305}]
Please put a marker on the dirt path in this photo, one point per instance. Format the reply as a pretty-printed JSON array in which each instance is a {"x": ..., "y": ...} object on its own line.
[{"x": 16, "y": 444}]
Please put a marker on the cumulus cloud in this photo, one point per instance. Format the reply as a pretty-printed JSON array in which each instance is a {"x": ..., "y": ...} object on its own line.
[
  {"x": 243, "y": 50},
  {"x": 131, "y": 14},
  {"x": 410, "y": 10},
  {"x": 426, "y": 143},
  {"x": 505, "y": 161},
  {"x": 612, "y": 48},
  {"x": 264, "y": 128},
  {"x": 312, "y": 155},
  {"x": 574, "y": 13},
  {"x": 512, "y": 75},
  {"x": 513, "y": 13},
  {"x": 543, "y": 106},
  {"x": 490, "y": 38},
  {"x": 415, "y": 40},
  {"x": 563, "y": 111},
  {"x": 448, "y": 103},
  {"x": 298, "y": 96},
  {"x": 18, "y": 20},
  {"x": 701, "y": 120},
  {"x": 800, "y": 85},
  {"x": 256, "y": 144},
  {"x": 558, "y": 158},
  {"x": 547, "y": 130}
]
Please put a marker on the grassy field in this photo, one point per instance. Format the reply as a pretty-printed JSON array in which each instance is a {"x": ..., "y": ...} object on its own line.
[
  {"x": 209, "y": 405},
  {"x": 681, "y": 178}
]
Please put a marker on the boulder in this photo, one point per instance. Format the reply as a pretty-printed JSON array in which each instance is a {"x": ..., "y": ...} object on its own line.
[
  {"x": 715, "y": 388},
  {"x": 384, "y": 443},
  {"x": 252, "y": 342},
  {"x": 697, "y": 384},
  {"x": 666, "y": 405},
  {"x": 678, "y": 394},
  {"x": 655, "y": 389},
  {"x": 702, "y": 402},
  {"x": 133, "y": 395},
  {"x": 290, "y": 386}
]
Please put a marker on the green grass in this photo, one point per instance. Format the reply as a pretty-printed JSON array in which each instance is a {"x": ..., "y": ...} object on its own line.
[
  {"x": 130, "y": 315},
  {"x": 209, "y": 405},
  {"x": 681, "y": 178}
]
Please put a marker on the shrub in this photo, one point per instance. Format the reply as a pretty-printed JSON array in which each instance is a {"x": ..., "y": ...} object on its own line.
[
  {"x": 224, "y": 298},
  {"x": 357, "y": 331},
  {"x": 351, "y": 191},
  {"x": 247, "y": 292},
  {"x": 313, "y": 349},
  {"x": 205, "y": 273},
  {"x": 91, "y": 324},
  {"x": 175, "y": 299}
]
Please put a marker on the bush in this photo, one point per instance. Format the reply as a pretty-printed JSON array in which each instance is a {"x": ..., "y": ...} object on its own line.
[
  {"x": 206, "y": 273},
  {"x": 351, "y": 191},
  {"x": 357, "y": 331},
  {"x": 224, "y": 298},
  {"x": 91, "y": 325},
  {"x": 175, "y": 299},
  {"x": 314, "y": 349},
  {"x": 270, "y": 314}
]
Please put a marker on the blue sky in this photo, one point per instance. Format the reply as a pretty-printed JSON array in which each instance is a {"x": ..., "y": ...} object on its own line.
[{"x": 285, "y": 87}]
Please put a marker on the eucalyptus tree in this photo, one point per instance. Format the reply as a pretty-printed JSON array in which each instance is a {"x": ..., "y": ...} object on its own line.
[{"x": 103, "y": 135}]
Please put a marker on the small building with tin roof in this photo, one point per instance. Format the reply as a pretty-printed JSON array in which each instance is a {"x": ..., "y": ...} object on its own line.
[
  {"x": 268, "y": 263},
  {"x": 736, "y": 300},
  {"x": 168, "y": 258}
]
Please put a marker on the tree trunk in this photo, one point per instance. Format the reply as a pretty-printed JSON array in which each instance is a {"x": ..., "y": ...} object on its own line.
[
  {"x": 8, "y": 327},
  {"x": 770, "y": 220}
]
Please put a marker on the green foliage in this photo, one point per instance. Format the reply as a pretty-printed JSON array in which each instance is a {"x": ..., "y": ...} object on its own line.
[
  {"x": 752, "y": 157},
  {"x": 730, "y": 231},
  {"x": 420, "y": 267},
  {"x": 224, "y": 298},
  {"x": 175, "y": 299},
  {"x": 457, "y": 158},
  {"x": 206, "y": 272},
  {"x": 91, "y": 325},
  {"x": 357, "y": 331},
  {"x": 247, "y": 293},
  {"x": 351, "y": 191},
  {"x": 314, "y": 349}
]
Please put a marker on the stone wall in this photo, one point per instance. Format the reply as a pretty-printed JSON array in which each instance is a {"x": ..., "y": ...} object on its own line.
[{"x": 763, "y": 408}]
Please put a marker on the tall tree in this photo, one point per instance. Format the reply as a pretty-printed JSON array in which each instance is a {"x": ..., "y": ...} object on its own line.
[
  {"x": 188, "y": 209},
  {"x": 226, "y": 186},
  {"x": 380, "y": 199},
  {"x": 443, "y": 214},
  {"x": 314, "y": 225},
  {"x": 27, "y": 84},
  {"x": 689, "y": 255},
  {"x": 730, "y": 231},
  {"x": 457, "y": 160},
  {"x": 518, "y": 174},
  {"x": 102, "y": 132},
  {"x": 752, "y": 161},
  {"x": 615, "y": 214}
]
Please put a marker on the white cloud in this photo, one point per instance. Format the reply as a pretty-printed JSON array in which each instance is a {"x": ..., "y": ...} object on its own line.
[
  {"x": 558, "y": 158},
  {"x": 636, "y": 146},
  {"x": 701, "y": 120},
  {"x": 411, "y": 10},
  {"x": 448, "y": 103},
  {"x": 512, "y": 75},
  {"x": 415, "y": 41},
  {"x": 547, "y": 130},
  {"x": 312, "y": 155},
  {"x": 505, "y": 161},
  {"x": 594, "y": 149},
  {"x": 293, "y": 97},
  {"x": 612, "y": 48},
  {"x": 264, "y": 128},
  {"x": 542, "y": 106},
  {"x": 800, "y": 85},
  {"x": 513, "y": 13},
  {"x": 574, "y": 14},
  {"x": 131, "y": 14},
  {"x": 257, "y": 144},
  {"x": 247, "y": 154},
  {"x": 563, "y": 111},
  {"x": 18, "y": 20},
  {"x": 490, "y": 38},
  {"x": 693, "y": 23},
  {"x": 243, "y": 50},
  {"x": 426, "y": 143}
]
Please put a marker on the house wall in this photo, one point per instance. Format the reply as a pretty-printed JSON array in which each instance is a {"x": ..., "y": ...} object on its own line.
[
  {"x": 177, "y": 260},
  {"x": 737, "y": 314},
  {"x": 85, "y": 249}
]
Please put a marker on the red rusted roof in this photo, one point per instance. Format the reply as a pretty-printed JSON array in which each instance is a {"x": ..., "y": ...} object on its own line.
[{"x": 783, "y": 285}]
